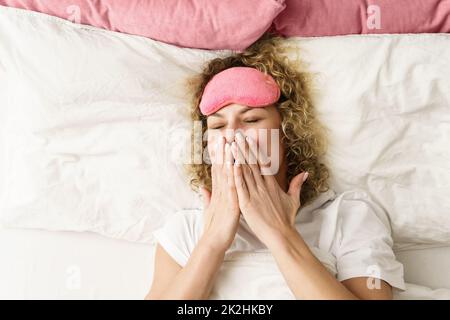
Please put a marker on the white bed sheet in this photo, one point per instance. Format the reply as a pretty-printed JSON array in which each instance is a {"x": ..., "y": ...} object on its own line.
[{"x": 39, "y": 264}]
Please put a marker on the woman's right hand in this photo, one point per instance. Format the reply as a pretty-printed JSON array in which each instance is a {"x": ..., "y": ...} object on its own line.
[{"x": 221, "y": 207}]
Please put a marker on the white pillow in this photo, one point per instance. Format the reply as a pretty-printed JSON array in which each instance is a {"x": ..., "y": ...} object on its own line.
[
  {"x": 95, "y": 127},
  {"x": 386, "y": 102}
]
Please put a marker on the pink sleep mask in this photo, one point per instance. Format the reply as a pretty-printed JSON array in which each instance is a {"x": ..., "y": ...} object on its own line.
[{"x": 242, "y": 85}]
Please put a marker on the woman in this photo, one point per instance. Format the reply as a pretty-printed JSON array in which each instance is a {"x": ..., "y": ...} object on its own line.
[{"x": 269, "y": 196}]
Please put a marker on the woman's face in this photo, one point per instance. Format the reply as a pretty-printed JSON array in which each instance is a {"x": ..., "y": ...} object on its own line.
[{"x": 262, "y": 124}]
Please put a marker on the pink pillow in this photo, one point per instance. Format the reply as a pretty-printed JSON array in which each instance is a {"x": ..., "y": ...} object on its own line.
[
  {"x": 206, "y": 24},
  {"x": 334, "y": 17}
]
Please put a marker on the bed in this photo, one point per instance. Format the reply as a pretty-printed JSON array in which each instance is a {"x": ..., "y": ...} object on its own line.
[
  {"x": 68, "y": 265},
  {"x": 54, "y": 248}
]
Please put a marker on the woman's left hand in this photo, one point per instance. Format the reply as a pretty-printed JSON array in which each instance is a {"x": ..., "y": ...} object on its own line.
[{"x": 268, "y": 210}]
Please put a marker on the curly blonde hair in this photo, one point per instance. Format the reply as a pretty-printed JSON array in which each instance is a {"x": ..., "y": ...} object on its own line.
[{"x": 302, "y": 135}]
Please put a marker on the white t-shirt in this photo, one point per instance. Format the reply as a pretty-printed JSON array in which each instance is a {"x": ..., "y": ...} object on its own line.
[{"x": 349, "y": 233}]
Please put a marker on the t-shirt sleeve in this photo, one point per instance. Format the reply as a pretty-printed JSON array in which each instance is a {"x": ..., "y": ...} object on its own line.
[
  {"x": 363, "y": 243},
  {"x": 179, "y": 235}
]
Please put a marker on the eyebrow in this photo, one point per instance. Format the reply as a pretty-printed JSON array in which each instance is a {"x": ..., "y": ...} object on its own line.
[{"x": 217, "y": 114}]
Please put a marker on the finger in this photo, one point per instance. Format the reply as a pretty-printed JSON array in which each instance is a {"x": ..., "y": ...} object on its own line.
[
  {"x": 216, "y": 163},
  {"x": 295, "y": 186},
  {"x": 228, "y": 157},
  {"x": 232, "y": 192},
  {"x": 213, "y": 177},
  {"x": 243, "y": 150},
  {"x": 230, "y": 176},
  {"x": 216, "y": 154},
  {"x": 238, "y": 156},
  {"x": 241, "y": 187},
  {"x": 206, "y": 195},
  {"x": 259, "y": 152},
  {"x": 220, "y": 151},
  {"x": 243, "y": 147},
  {"x": 262, "y": 160},
  {"x": 245, "y": 169},
  {"x": 229, "y": 166},
  {"x": 251, "y": 159}
]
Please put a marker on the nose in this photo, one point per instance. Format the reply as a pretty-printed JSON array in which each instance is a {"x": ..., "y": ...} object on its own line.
[
  {"x": 232, "y": 128},
  {"x": 229, "y": 134}
]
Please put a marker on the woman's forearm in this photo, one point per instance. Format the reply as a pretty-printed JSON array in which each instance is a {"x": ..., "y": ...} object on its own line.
[
  {"x": 304, "y": 273},
  {"x": 196, "y": 279}
]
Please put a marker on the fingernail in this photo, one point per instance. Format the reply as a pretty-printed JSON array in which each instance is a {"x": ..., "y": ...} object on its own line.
[
  {"x": 305, "y": 176},
  {"x": 239, "y": 136}
]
